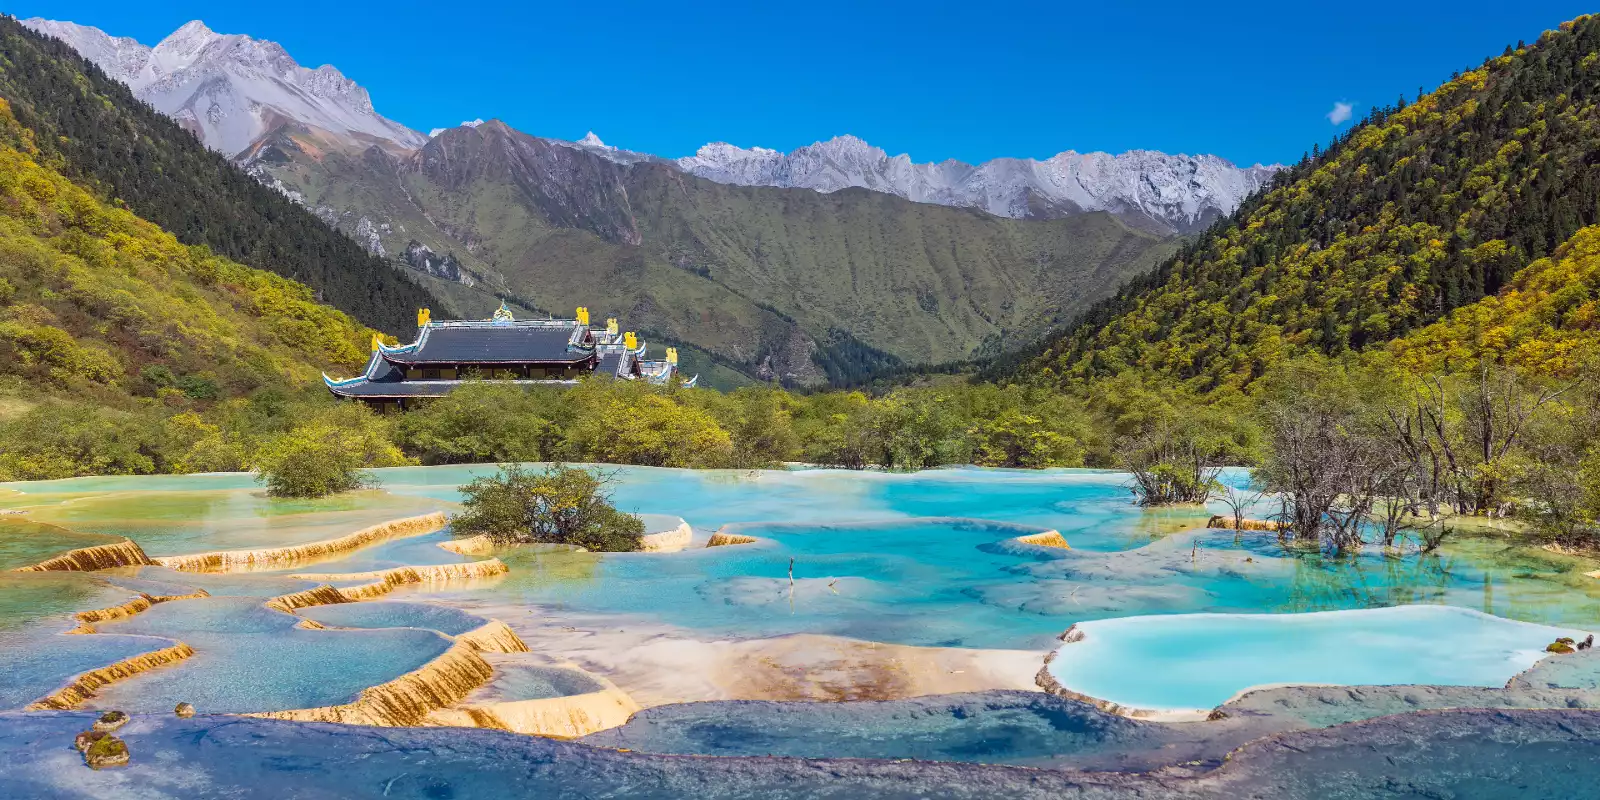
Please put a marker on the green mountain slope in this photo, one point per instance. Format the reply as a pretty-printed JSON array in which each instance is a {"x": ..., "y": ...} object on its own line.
[
  {"x": 1546, "y": 321},
  {"x": 773, "y": 282},
  {"x": 99, "y": 305},
  {"x": 1419, "y": 210},
  {"x": 93, "y": 130}
]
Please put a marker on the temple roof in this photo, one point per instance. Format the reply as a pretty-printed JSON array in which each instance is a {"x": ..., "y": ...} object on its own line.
[
  {"x": 493, "y": 343},
  {"x": 383, "y": 379}
]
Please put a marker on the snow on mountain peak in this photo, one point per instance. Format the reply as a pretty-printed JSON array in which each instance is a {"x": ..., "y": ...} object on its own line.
[
  {"x": 230, "y": 88},
  {"x": 468, "y": 124},
  {"x": 591, "y": 140},
  {"x": 1170, "y": 193}
]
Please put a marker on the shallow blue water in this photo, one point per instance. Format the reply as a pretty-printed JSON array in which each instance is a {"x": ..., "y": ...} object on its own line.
[
  {"x": 875, "y": 556},
  {"x": 388, "y": 614},
  {"x": 250, "y": 658},
  {"x": 1198, "y": 661}
]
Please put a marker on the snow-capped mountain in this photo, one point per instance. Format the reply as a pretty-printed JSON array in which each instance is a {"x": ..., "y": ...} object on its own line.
[
  {"x": 1175, "y": 193},
  {"x": 230, "y": 88},
  {"x": 233, "y": 89}
]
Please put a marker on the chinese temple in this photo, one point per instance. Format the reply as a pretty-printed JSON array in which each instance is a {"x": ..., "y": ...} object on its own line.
[{"x": 539, "y": 352}]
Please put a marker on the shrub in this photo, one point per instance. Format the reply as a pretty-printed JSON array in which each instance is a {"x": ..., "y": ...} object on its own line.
[
  {"x": 561, "y": 505},
  {"x": 327, "y": 454}
]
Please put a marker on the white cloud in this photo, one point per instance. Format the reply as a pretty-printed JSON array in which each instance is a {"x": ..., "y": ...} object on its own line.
[{"x": 1341, "y": 112}]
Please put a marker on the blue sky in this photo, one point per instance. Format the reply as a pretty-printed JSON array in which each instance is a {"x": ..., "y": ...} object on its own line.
[{"x": 1247, "y": 81}]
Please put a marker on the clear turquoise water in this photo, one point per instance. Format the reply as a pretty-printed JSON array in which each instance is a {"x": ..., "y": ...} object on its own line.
[
  {"x": 919, "y": 559},
  {"x": 250, "y": 658},
  {"x": 1198, "y": 661},
  {"x": 387, "y": 614}
]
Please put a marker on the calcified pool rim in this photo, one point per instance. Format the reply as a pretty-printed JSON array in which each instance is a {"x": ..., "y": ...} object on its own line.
[
  {"x": 1081, "y": 637},
  {"x": 951, "y": 478}
]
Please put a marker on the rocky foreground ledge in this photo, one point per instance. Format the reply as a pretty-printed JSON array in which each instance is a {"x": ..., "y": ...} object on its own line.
[{"x": 1463, "y": 754}]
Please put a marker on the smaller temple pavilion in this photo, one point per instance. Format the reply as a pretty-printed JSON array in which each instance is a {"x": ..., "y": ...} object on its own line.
[{"x": 539, "y": 352}]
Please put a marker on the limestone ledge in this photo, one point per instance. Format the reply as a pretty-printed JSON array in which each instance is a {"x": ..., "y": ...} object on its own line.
[
  {"x": 494, "y": 636},
  {"x": 1227, "y": 522},
  {"x": 1048, "y": 682},
  {"x": 1051, "y": 538},
  {"x": 720, "y": 539},
  {"x": 667, "y": 541},
  {"x": 143, "y": 602},
  {"x": 382, "y": 582},
  {"x": 480, "y": 545},
  {"x": 125, "y": 553},
  {"x": 274, "y": 558},
  {"x": 408, "y": 699},
  {"x": 84, "y": 686},
  {"x": 557, "y": 717}
]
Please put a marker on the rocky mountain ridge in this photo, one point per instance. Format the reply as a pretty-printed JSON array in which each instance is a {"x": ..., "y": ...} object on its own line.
[
  {"x": 231, "y": 89},
  {"x": 1164, "y": 193}
]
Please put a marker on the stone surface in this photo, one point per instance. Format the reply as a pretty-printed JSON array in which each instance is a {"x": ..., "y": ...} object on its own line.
[
  {"x": 106, "y": 751},
  {"x": 110, "y": 721},
  {"x": 1464, "y": 755}
]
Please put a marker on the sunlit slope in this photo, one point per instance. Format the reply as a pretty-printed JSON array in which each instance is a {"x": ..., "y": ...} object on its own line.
[
  {"x": 1547, "y": 320},
  {"x": 99, "y": 304},
  {"x": 1415, "y": 212}
]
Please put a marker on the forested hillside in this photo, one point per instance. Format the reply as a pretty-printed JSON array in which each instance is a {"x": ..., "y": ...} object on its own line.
[
  {"x": 113, "y": 334},
  {"x": 92, "y": 129},
  {"x": 1423, "y": 208},
  {"x": 778, "y": 283}
]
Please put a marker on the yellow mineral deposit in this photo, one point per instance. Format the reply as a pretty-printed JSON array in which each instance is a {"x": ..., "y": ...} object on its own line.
[
  {"x": 87, "y": 559},
  {"x": 480, "y": 545},
  {"x": 1229, "y": 523},
  {"x": 138, "y": 604},
  {"x": 720, "y": 539},
  {"x": 1046, "y": 539},
  {"x": 408, "y": 699},
  {"x": 667, "y": 541},
  {"x": 494, "y": 636},
  {"x": 382, "y": 582},
  {"x": 558, "y": 717},
  {"x": 84, "y": 686},
  {"x": 275, "y": 558}
]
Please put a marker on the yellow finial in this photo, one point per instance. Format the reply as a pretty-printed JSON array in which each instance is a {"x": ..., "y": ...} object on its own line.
[
  {"x": 672, "y": 355},
  {"x": 424, "y": 316},
  {"x": 611, "y": 326},
  {"x": 375, "y": 341},
  {"x": 630, "y": 341},
  {"x": 583, "y": 316}
]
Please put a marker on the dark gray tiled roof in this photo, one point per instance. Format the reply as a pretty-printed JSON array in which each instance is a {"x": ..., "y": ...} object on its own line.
[{"x": 492, "y": 344}]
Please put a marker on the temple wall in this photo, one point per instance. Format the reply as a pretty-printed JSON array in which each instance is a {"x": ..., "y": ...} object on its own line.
[{"x": 274, "y": 558}]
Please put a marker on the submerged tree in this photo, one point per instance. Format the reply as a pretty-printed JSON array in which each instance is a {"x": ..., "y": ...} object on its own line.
[
  {"x": 560, "y": 505},
  {"x": 1327, "y": 457}
]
